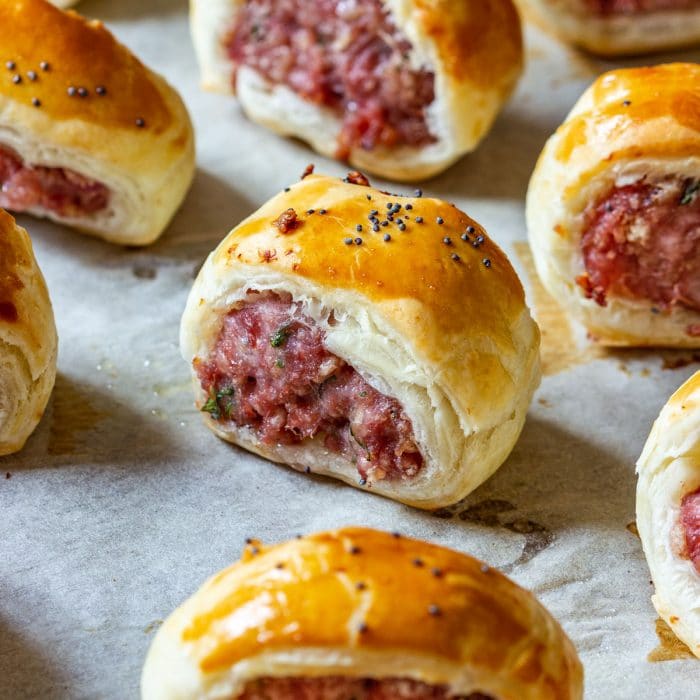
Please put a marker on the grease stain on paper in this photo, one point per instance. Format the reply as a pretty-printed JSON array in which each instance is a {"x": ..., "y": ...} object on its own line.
[
  {"x": 559, "y": 349},
  {"x": 494, "y": 513},
  {"x": 680, "y": 359},
  {"x": 152, "y": 626},
  {"x": 73, "y": 414},
  {"x": 144, "y": 272},
  {"x": 670, "y": 647}
]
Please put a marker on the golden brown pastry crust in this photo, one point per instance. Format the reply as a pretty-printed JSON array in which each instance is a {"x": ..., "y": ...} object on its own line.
[
  {"x": 447, "y": 300},
  {"x": 148, "y": 168},
  {"x": 428, "y": 613},
  {"x": 452, "y": 340},
  {"x": 447, "y": 23},
  {"x": 630, "y": 123},
  {"x": 27, "y": 338},
  {"x": 615, "y": 34},
  {"x": 473, "y": 47},
  {"x": 669, "y": 469}
]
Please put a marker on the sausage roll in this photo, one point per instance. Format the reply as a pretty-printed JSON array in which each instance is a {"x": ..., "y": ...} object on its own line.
[
  {"x": 328, "y": 617},
  {"x": 613, "y": 208},
  {"x": 27, "y": 338},
  {"x": 380, "y": 339},
  {"x": 668, "y": 512},
  {"x": 399, "y": 88},
  {"x": 619, "y": 27},
  {"x": 89, "y": 137}
]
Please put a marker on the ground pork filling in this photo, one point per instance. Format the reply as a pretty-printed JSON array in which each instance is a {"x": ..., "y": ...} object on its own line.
[
  {"x": 642, "y": 241},
  {"x": 632, "y": 7},
  {"x": 690, "y": 522},
  {"x": 269, "y": 370},
  {"x": 58, "y": 190},
  {"x": 344, "y": 688},
  {"x": 343, "y": 54}
]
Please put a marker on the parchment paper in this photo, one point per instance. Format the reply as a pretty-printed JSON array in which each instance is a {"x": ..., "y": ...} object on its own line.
[{"x": 123, "y": 503}]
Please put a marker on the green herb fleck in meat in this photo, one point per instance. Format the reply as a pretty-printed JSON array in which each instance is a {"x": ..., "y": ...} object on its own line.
[
  {"x": 217, "y": 400},
  {"x": 224, "y": 398},
  {"x": 212, "y": 407},
  {"x": 690, "y": 191},
  {"x": 280, "y": 337}
]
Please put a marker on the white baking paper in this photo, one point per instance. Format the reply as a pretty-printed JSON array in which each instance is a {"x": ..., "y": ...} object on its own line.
[{"x": 123, "y": 503}]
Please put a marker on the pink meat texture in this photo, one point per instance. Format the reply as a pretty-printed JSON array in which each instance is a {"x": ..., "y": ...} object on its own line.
[
  {"x": 343, "y": 54},
  {"x": 342, "y": 688},
  {"x": 690, "y": 520},
  {"x": 631, "y": 7},
  {"x": 61, "y": 191},
  {"x": 642, "y": 241},
  {"x": 270, "y": 371}
]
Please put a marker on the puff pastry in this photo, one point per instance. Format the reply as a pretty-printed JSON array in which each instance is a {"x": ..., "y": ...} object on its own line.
[
  {"x": 399, "y": 88},
  {"x": 331, "y": 615},
  {"x": 619, "y": 27},
  {"x": 89, "y": 137},
  {"x": 668, "y": 511},
  {"x": 380, "y": 339},
  {"x": 27, "y": 338},
  {"x": 613, "y": 208}
]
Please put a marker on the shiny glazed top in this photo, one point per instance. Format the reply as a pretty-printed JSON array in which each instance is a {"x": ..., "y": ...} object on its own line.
[
  {"x": 75, "y": 53},
  {"x": 348, "y": 588},
  {"x": 620, "y": 102},
  {"x": 486, "y": 24},
  {"x": 472, "y": 294},
  {"x": 686, "y": 400}
]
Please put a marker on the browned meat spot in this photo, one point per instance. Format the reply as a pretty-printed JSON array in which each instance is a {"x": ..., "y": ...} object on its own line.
[
  {"x": 269, "y": 370},
  {"x": 342, "y": 54},
  {"x": 632, "y": 7},
  {"x": 344, "y": 688},
  {"x": 357, "y": 178},
  {"x": 61, "y": 191},
  {"x": 287, "y": 221},
  {"x": 8, "y": 312},
  {"x": 642, "y": 241}
]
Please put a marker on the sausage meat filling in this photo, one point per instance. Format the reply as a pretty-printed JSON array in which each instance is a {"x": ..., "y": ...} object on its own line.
[
  {"x": 269, "y": 370},
  {"x": 638, "y": 7},
  {"x": 690, "y": 522},
  {"x": 642, "y": 241},
  {"x": 342, "y": 54},
  {"x": 344, "y": 688},
  {"x": 58, "y": 190}
]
